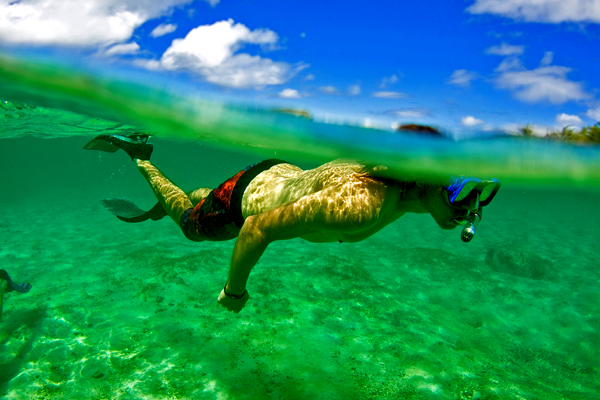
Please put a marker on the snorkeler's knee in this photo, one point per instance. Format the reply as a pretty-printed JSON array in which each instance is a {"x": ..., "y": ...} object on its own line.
[{"x": 255, "y": 231}]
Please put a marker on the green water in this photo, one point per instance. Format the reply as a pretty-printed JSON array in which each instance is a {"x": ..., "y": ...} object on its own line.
[{"x": 128, "y": 311}]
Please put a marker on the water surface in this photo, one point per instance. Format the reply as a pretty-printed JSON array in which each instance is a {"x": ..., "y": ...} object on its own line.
[{"x": 128, "y": 311}]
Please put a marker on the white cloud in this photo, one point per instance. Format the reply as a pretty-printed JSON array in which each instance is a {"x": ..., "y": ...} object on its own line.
[
  {"x": 594, "y": 113},
  {"x": 471, "y": 121},
  {"x": 509, "y": 63},
  {"x": 162, "y": 30},
  {"x": 148, "y": 64},
  {"x": 553, "y": 11},
  {"x": 547, "y": 59},
  {"x": 211, "y": 45},
  {"x": 387, "y": 81},
  {"x": 566, "y": 119},
  {"x": 120, "y": 49},
  {"x": 210, "y": 51},
  {"x": 73, "y": 23},
  {"x": 289, "y": 94},
  {"x": 505, "y": 49},
  {"x": 462, "y": 77},
  {"x": 389, "y": 95},
  {"x": 410, "y": 113},
  {"x": 328, "y": 89},
  {"x": 546, "y": 83},
  {"x": 354, "y": 90},
  {"x": 309, "y": 77},
  {"x": 368, "y": 123}
]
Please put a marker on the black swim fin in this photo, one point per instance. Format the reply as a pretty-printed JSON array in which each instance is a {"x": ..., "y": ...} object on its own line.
[
  {"x": 19, "y": 287},
  {"x": 127, "y": 211},
  {"x": 101, "y": 144},
  {"x": 136, "y": 146}
]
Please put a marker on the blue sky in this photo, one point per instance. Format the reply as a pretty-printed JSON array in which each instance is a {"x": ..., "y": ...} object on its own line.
[{"x": 460, "y": 65}]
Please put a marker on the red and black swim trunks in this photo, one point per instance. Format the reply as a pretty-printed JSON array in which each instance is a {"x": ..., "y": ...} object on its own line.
[{"x": 219, "y": 216}]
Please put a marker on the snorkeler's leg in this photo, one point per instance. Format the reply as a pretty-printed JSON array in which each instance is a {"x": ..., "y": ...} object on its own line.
[
  {"x": 173, "y": 199},
  {"x": 127, "y": 211},
  {"x": 197, "y": 195}
]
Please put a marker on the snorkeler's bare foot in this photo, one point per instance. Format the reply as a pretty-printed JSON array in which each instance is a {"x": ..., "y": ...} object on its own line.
[
  {"x": 233, "y": 304},
  {"x": 136, "y": 146}
]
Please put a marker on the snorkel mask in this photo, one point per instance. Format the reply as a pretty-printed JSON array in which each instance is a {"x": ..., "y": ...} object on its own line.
[{"x": 468, "y": 196}]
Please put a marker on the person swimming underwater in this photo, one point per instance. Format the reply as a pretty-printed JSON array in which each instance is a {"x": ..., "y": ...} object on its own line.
[{"x": 340, "y": 201}]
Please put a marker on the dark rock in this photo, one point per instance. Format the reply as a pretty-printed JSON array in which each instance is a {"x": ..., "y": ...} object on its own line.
[
  {"x": 97, "y": 375},
  {"x": 291, "y": 111},
  {"x": 420, "y": 129},
  {"x": 520, "y": 262}
]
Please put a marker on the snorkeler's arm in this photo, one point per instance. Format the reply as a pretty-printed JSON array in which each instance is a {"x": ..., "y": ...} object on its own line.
[
  {"x": 289, "y": 221},
  {"x": 249, "y": 247}
]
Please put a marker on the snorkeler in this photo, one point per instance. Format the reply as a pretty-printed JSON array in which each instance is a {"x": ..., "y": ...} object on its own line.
[{"x": 341, "y": 201}]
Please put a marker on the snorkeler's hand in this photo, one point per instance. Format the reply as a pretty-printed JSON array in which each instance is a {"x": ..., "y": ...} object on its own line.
[{"x": 232, "y": 304}]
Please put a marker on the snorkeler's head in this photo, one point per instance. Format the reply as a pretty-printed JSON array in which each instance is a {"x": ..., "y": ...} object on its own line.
[{"x": 454, "y": 203}]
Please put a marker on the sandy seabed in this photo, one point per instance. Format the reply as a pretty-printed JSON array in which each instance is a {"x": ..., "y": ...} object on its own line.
[{"x": 128, "y": 311}]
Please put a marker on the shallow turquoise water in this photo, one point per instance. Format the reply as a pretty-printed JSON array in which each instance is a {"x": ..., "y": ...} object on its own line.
[{"x": 129, "y": 310}]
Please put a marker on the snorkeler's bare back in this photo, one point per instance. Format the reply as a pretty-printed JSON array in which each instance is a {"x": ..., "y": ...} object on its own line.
[{"x": 338, "y": 200}]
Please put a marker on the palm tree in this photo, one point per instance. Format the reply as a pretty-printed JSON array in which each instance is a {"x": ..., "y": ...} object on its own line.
[
  {"x": 526, "y": 131},
  {"x": 591, "y": 134}
]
